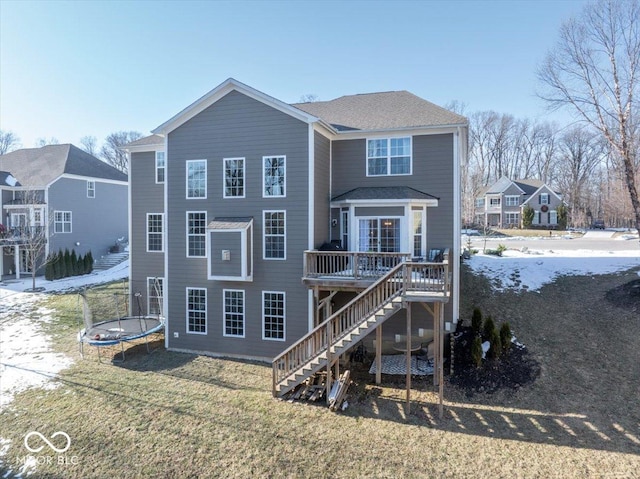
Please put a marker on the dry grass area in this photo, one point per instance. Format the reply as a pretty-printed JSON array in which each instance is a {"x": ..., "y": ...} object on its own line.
[{"x": 181, "y": 416}]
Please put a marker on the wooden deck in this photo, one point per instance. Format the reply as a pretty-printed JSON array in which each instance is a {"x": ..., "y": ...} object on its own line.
[{"x": 356, "y": 271}]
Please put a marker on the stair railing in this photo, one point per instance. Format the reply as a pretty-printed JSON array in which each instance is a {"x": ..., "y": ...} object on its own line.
[{"x": 423, "y": 277}]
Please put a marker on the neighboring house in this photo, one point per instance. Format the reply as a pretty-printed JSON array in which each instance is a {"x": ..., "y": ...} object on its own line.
[
  {"x": 501, "y": 204},
  {"x": 232, "y": 198},
  {"x": 77, "y": 201}
]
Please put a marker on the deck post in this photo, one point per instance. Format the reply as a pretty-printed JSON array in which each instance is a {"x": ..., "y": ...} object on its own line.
[
  {"x": 436, "y": 342},
  {"x": 379, "y": 354},
  {"x": 408, "y": 405},
  {"x": 441, "y": 360},
  {"x": 329, "y": 342}
]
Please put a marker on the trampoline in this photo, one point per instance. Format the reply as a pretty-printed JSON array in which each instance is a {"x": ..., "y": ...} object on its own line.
[{"x": 116, "y": 331}]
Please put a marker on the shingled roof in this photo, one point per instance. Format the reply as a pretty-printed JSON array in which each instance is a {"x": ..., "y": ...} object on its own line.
[
  {"x": 384, "y": 193},
  {"x": 37, "y": 167},
  {"x": 381, "y": 111}
]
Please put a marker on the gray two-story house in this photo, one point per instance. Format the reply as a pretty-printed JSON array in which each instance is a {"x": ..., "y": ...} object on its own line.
[
  {"x": 281, "y": 231},
  {"x": 63, "y": 195},
  {"x": 502, "y": 203}
]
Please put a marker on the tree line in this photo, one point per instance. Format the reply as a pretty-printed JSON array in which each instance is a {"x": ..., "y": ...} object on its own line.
[
  {"x": 593, "y": 72},
  {"x": 574, "y": 160},
  {"x": 109, "y": 151}
]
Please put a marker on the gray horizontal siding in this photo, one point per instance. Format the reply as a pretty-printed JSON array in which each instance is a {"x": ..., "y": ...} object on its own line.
[
  {"x": 147, "y": 196},
  {"x": 238, "y": 126},
  {"x": 96, "y": 222}
]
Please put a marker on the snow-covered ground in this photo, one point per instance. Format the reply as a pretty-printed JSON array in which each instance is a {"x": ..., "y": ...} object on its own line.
[
  {"x": 26, "y": 360},
  {"x": 530, "y": 269}
]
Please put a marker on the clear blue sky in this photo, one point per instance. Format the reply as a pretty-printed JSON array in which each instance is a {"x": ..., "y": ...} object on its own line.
[{"x": 70, "y": 69}]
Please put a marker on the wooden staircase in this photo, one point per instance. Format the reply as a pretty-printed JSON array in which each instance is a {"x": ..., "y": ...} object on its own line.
[{"x": 345, "y": 328}]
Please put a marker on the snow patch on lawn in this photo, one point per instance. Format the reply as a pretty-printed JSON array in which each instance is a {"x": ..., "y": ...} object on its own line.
[{"x": 531, "y": 269}]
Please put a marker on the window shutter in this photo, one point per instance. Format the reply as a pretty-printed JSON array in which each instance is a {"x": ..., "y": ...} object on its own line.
[{"x": 539, "y": 199}]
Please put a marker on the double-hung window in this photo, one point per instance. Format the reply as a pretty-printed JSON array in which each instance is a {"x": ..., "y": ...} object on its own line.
[
  {"x": 62, "y": 221},
  {"x": 91, "y": 189},
  {"x": 544, "y": 198},
  {"x": 494, "y": 202},
  {"x": 197, "y": 179},
  {"x": 160, "y": 166},
  {"x": 274, "y": 176},
  {"x": 417, "y": 233},
  {"x": 273, "y": 315},
  {"x": 274, "y": 244},
  {"x": 389, "y": 156},
  {"x": 512, "y": 200},
  {"x": 197, "y": 310},
  {"x": 233, "y": 178},
  {"x": 233, "y": 300},
  {"x": 155, "y": 232},
  {"x": 196, "y": 234}
]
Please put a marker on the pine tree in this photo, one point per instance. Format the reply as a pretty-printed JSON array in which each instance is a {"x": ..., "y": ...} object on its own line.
[{"x": 74, "y": 263}]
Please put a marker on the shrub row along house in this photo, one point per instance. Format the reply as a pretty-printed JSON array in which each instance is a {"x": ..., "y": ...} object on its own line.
[
  {"x": 57, "y": 198},
  {"x": 233, "y": 199},
  {"x": 503, "y": 203}
]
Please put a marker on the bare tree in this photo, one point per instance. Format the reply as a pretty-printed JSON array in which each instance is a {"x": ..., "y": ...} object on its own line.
[
  {"x": 308, "y": 98},
  {"x": 8, "y": 142},
  {"x": 580, "y": 153},
  {"x": 595, "y": 72},
  {"x": 31, "y": 231},
  {"x": 111, "y": 152},
  {"x": 90, "y": 145},
  {"x": 40, "y": 142}
]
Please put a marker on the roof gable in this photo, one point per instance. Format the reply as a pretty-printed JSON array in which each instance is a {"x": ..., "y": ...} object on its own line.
[
  {"x": 502, "y": 185},
  {"x": 222, "y": 90}
]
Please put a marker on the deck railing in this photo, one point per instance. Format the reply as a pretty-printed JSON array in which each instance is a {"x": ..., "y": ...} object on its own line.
[
  {"x": 350, "y": 264},
  {"x": 403, "y": 277}
]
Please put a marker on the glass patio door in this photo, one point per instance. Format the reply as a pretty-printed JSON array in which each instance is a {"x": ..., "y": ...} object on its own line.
[{"x": 380, "y": 235}]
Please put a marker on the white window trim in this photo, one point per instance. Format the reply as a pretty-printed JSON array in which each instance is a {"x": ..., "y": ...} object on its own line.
[
  {"x": 423, "y": 234},
  {"x": 186, "y": 185},
  {"x": 187, "y": 235},
  {"x": 511, "y": 197},
  {"x": 62, "y": 222},
  {"x": 545, "y": 198},
  {"x": 206, "y": 308},
  {"x": 163, "y": 168},
  {"x": 91, "y": 188},
  {"x": 224, "y": 313},
  {"x": 388, "y": 138},
  {"x": 553, "y": 217},
  {"x": 491, "y": 202},
  {"x": 161, "y": 250},
  {"x": 246, "y": 234},
  {"x": 244, "y": 177},
  {"x": 264, "y": 236},
  {"x": 284, "y": 187},
  {"x": 284, "y": 316},
  {"x": 161, "y": 281}
]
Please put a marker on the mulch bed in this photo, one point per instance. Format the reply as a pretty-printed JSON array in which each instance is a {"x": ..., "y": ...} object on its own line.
[{"x": 510, "y": 372}]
